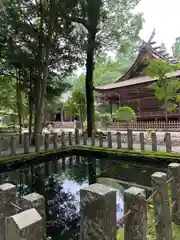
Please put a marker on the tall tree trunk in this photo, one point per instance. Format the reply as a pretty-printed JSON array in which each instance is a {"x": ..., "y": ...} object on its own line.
[
  {"x": 93, "y": 12},
  {"x": 89, "y": 84},
  {"x": 30, "y": 105},
  {"x": 19, "y": 107}
]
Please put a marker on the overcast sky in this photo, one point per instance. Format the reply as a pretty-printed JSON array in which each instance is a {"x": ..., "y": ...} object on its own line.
[{"x": 164, "y": 15}]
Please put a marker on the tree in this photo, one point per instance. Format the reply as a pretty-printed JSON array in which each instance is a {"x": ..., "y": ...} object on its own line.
[
  {"x": 176, "y": 48},
  {"x": 104, "y": 24},
  {"x": 106, "y": 119},
  {"x": 165, "y": 88},
  {"x": 76, "y": 105},
  {"x": 125, "y": 114},
  {"x": 36, "y": 41}
]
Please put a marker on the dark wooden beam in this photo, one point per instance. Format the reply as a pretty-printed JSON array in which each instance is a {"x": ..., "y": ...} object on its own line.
[
  {"x": 152, "y": 43},
  {"x": 161, "y": 52}
]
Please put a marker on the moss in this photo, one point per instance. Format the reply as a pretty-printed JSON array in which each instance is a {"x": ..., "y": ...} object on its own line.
[
  {"x": 30, "y": 156},
  {"x": 126, "y": 154},
  {"x": 149, "y": 155}
]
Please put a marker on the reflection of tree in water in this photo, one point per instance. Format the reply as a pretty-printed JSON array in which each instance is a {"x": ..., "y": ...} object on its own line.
[
  {"x": 78, "y": 173},
  {"x": 62, "y": 216},
  {"x": 61, "y": 208}
]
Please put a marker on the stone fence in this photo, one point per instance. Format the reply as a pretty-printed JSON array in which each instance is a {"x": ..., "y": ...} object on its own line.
[
  {"x": 98, "y": 209},
  {"x": 23, "y": 221},
  {"x": 119, "y": 140}
]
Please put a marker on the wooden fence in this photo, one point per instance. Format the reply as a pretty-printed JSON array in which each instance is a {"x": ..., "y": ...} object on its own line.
[
  {"x": 140, "y": 125},
  {"x": 9, "y": 145},
  {"x": 145, "y": 125},
  {"x": 98, "y": 209}
]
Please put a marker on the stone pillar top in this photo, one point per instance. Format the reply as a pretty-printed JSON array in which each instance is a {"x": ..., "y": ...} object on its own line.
[
  {"x": 26, "y": 218},
  {"x": 33, "y": 197},
  {"x": 138, "y": 192},
  {"x": 174, "y": 165},
  {"x": 99, "y": 189},
  {"x": 6, "y": 186},
  {"x": 159, "y": 175}
]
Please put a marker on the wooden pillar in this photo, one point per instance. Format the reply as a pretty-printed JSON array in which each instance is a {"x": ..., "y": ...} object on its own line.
[{"x": 110, "y": 105}]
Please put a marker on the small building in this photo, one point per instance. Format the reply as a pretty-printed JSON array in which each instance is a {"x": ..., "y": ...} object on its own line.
[{"x": 132, "y": 90}]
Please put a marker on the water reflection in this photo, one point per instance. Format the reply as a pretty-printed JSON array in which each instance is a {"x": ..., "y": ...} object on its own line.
[{"x": 60, "y": 181}]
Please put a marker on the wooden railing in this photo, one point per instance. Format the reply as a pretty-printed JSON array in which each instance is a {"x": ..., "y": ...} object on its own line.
[{"x": 144, "y": 125}]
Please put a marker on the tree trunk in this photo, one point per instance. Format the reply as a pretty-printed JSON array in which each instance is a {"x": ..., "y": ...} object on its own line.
[
  {"x": 39, "y": 104},
  {"x": 166, "y": 120},
  {"x": 89, "y": 84},
  {"x": 30, "y": 115},
  {"x": 19, "y": 107}
]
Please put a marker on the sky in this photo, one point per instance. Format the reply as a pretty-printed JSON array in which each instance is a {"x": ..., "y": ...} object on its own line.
[{"x": 164, "y": 16}]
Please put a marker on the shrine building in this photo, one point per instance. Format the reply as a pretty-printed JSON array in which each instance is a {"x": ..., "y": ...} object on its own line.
[{"x": 132, "y": 90}]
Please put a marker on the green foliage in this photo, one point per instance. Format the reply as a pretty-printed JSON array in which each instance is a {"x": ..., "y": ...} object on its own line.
[
  {"x": 76, "y": 105},
  {"x": 98, "y": 116},
  {"x": 165, "y": 89},
  {"x": 125, "y": 114},
  {"x": 159, "y": 68},
  {"x": 106, "y": 119}
]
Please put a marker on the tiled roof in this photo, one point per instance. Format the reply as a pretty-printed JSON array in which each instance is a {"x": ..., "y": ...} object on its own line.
[{"x": 133, "y": 81}]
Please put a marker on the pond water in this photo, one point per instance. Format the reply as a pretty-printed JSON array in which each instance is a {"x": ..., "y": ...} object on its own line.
[{"x": 60, "y": 181}]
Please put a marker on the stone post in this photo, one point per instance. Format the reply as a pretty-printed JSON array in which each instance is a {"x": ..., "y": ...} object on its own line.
[
  {"x": 70, "y": 138},
  {"x": 26, "y": 225},
  {"x": 70, "y": 162},
  {"x": 168, "y": 142},
  {"x": 46, "y": 142},
  {"x": 84, "y": 138},
  {"x": 119, "y": 145},
  {"x": 154, "y": 141},
  {"x": 63, "y": 164},
  {"x": 26, "y": 142},
  {"x": 62, "y": 139},
  {"x": 97, "y": 212},
  {"x": 77, "y": 141},
  {"x": 161, "y": 206},
  {"x": 93, "y": 139},
  {"x": 101, "y": 139},
  {"x": 37, "y": 142},
  {"x": 135, "y": 225},
  {"x": 55, "y": 140},
  {"x": 37, "y": 201},
  {"x": 130, "y": 138},
  {"x": 141, "y": 138},
  {"x": 109, "y": 140},
  {"x": 13, "y": 145},
  {"x": 174, "y": 172},
  {"x": 7, "y": 195}
]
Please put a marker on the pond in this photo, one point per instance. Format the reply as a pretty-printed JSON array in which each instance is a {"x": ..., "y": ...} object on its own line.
[{"x": 60, "y": 181}]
